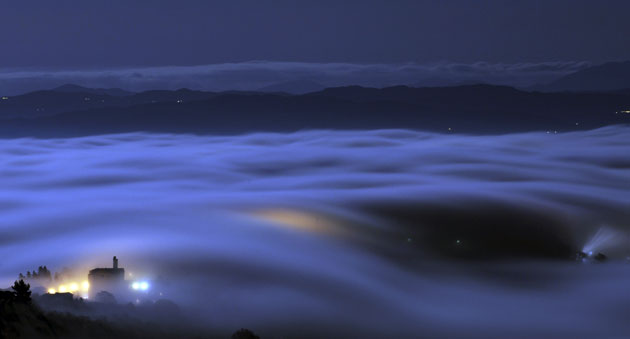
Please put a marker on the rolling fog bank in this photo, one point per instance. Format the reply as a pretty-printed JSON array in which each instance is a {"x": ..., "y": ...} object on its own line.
[{"x": 379, "y": 233}]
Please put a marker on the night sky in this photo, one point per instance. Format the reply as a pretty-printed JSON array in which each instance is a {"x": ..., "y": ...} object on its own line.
[{"x": 95, "y": 34}]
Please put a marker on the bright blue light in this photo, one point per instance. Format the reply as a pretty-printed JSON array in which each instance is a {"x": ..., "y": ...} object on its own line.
[{"x": 140, "y": 285}]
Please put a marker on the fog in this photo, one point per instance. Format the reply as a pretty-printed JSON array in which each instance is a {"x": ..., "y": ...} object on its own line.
[{"x": 332, "y": 233}]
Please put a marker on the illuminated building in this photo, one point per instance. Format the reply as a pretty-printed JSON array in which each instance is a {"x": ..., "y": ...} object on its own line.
[{"x": 107, "y": 279}]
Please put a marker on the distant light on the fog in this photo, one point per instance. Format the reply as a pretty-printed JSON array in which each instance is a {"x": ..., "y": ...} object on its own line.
[
  {"x": 144, "y": 285},
  {"x": 63, "y": 289},
  {"x": 51, "y": 291},
  {"x": 297, "y": 219},
  {"x": 135, "y": 285},
  {"x": 85, "y": 285}
]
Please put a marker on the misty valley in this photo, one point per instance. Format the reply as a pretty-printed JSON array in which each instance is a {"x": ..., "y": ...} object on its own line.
[{"x": 228, "y": 226}]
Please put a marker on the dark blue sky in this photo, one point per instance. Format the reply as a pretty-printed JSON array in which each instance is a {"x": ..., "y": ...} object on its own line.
[{"x": 44, "y": 33}]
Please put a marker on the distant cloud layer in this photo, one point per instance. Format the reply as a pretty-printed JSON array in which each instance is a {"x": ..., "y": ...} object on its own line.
[{"x": 294, "y": 76}]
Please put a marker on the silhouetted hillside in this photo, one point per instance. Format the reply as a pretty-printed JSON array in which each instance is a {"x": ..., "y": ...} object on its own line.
[
  {"x": 74, "y": 318},
  {"x": 51, "y": 102},
  {"x": 27, "y": 320},
  {"x": 293, "y": 87},
  {"x": 71, "y": 88},
  {"x": 469, "y": 109},
  {"x": 606, "y": 77}
]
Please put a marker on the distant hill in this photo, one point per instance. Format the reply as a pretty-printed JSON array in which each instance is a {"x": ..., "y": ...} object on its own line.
[
  {"x": 293, "y": 87},
  {"x": 462, "y": 109},
  {"x": 70, "y": 88},
  {"x": 606, "y": 77},
  {"x": 75, "y": 98}
]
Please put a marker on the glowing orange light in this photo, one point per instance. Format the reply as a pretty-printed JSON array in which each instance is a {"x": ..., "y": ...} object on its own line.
[{"x": 297, "y": 219}]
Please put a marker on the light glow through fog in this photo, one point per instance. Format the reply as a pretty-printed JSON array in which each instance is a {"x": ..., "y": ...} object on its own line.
[
  {"x": 140, "y": 285},
  {"x": 71, "y": 287}
]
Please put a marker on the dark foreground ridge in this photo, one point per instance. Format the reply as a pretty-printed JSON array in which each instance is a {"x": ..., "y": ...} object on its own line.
[
  {"x": 62, "y": 316},
  {"x": 474, "y": 109}
]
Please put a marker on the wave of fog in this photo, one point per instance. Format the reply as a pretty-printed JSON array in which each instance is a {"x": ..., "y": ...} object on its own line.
[
  {"x": 379, "y": 233},
  {"x": 257, "y": 75}
]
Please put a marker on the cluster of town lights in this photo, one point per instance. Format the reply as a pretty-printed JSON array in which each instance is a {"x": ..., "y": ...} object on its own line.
[
  {"x": 85, "y": 286},
  {"x": 140, "y": 285},
  {"x": 71, "y": 287}
]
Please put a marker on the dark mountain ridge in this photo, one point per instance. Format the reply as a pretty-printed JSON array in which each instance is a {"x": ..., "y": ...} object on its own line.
[
  {"x": 51, "y": 102},
  {"x": 293, "y": 87},
  {"x": 72, "y": 88},
  {"x": 467, "y": 109}
]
